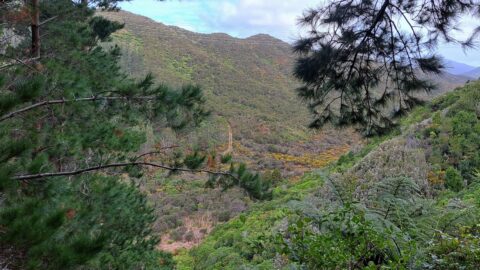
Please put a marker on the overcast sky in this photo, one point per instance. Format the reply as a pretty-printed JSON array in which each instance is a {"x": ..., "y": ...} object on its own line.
[{"x": 244, "y": 18}]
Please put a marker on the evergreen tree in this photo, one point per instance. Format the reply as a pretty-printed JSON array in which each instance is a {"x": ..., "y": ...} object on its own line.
[
  {"x": 362, "y": 61},
  {"x": 70, "y": 123}
]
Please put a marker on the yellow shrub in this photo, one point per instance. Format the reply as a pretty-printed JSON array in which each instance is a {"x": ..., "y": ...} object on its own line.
[{"x": 314, "y": 160}]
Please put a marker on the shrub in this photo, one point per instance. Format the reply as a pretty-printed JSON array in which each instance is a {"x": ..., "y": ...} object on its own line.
[
  {"x": 224, "y": 216},
  {"x": 463, "y": 122},
  {"x": 189, "y": 236},
  {"x": 460, "y": 251},
  {"x": 273, "y": 176},
  {"x": 341, "y": 239},
  {"x": 177, "y": 234},
  {"x": 454, "y": 180}
]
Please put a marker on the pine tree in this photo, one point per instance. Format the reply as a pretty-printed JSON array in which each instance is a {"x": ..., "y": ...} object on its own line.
[
  {"x": 70, "y": 123},
  {"x": 362, "y": 61}
]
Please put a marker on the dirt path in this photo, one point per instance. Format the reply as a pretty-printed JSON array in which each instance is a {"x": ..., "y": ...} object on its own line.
[{"x": 230, "y": 140}]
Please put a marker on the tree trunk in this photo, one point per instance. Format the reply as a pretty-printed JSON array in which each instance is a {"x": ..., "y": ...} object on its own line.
[{"x": 35, "y": 28}]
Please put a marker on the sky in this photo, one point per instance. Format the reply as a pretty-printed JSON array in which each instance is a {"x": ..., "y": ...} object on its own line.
[{"x": 244, "y": 18}]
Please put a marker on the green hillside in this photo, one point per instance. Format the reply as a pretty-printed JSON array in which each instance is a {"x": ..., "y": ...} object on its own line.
[
  {"x": 250, "y": 90},
  {"x": 409, "y": 200},
  {"x": 246, "y": 81}
]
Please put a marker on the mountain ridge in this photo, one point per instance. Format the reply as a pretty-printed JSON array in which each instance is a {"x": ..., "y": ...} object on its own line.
[
  {"x": 456, "y": 68},
  {"x": 461, "y": 69},
  {"x": 473, "y": 74},
  {"x": 231, "y": 70}
]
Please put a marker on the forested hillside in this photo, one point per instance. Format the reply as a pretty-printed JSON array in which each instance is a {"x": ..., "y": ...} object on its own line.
[
  {"x": 249, "y": 88},
  {"x": 75, "y": 146},
  {"x": 246, "y": 81},
  {"x": 128, "y": 144},
  {"x": 409, "y": 200}
]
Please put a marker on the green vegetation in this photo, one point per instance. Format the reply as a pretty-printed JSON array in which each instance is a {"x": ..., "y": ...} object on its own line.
[
  {"x": 102, "y": 171},
  {"x": 73, "y": 128},
  {"x": 233, "y": 73},
  {"x": 355, "y": 215},
  {"x": 248, "y": 87}
]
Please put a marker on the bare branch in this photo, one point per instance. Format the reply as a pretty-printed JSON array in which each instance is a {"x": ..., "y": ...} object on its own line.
[
  {"x": 117, "y": 165},
  {"x": 160, "y": 151},
  {"x": 22, "y": 62},
  {"x": 48, "y": 20}
]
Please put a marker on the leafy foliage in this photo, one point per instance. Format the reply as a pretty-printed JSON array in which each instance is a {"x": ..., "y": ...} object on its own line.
[
  {"x": 454, "y": 180},
  {"x": 456, "y": 251},
  {"x": 344, "y": 238}
]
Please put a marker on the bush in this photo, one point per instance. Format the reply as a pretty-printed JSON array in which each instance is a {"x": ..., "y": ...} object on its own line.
[
  {"x": 341, "y": 239},
  {"x": 273, "y": 176},
  {"x": 454, "y": 180},
  {"x": 189, "y": 236},
  {"x": 461, "y": 251},
  {"x": 224, "y": 216},
  {"x": 177, "y": 234}
]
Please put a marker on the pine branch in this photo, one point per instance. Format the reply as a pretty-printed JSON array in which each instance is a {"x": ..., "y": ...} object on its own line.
[
  {"x": 117, "y": 165},
  {"x": 160, "y": 151},
  {"x": 48, "y": 20},
  {"x": 63, "y": 101},
  {"x": 16, "y": 61},
  {"x": 368, "y": 33}
]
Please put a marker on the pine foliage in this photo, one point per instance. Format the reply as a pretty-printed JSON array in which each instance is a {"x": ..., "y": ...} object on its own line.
[
  {"x": 73, "y": 109},
  {"x": 361, "y": 61}
]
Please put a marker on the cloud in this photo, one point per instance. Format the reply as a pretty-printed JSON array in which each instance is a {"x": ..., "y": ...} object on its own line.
[
  {"x": 244, "y": 18},
  {"x": 249, "y": 17}
]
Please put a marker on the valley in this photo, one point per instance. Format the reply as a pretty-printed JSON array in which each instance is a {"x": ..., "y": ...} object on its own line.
[
  {"x": 127, "y": 143},
  {"x": 250, "y": 90}
]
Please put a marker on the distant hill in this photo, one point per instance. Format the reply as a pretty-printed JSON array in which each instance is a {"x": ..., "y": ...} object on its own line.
[
  {"x": 457, "y": 68},
  {"x": 474, "y": 73},
  {"x": 462, "y": 70},
  {"x": 248, "y": 82}
]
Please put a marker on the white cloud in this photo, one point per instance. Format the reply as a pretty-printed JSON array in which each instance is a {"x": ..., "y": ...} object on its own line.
[
  {"x": 249, "y": 17},
  {"x": 243, "y": 18}
]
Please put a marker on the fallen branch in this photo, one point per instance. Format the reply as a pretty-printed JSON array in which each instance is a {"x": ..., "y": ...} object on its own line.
[{"x": 116, "y": 165}]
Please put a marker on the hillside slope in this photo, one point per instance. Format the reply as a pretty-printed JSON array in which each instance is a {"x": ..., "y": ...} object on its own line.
[
  {"x": 411, "y": 199},
  {"x": 247, "y": 81}
]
